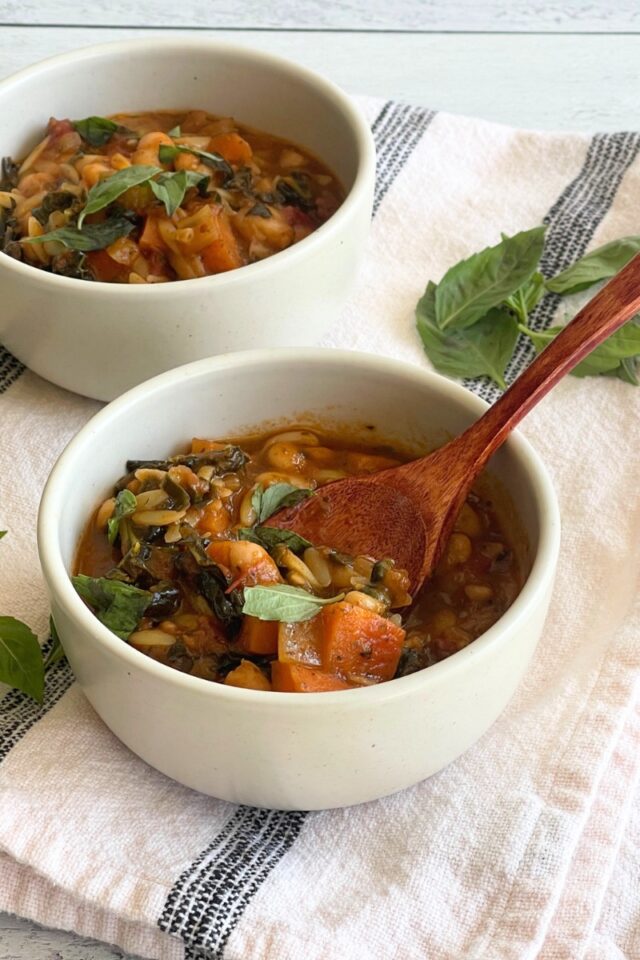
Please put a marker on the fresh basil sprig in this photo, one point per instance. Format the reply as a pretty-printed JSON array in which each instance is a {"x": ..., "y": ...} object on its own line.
[
  {"x": 21, "y": 664},
  {"x": 483, "y": 349},
  {"x": 272, "y": 537},
  {"x": 98, "y": 130},
  {"x": 119, "y": 606},
  {"x": 266, "y": 502},
  {"x": 600, "y": 264},
  {"x": 170, "y": 188},
  {"x": 93, "y": 236},
  {"x": 106, "y": 191},
  {"x": 284, "y": 603},
  {"x": 615, "y": 357},
  {"x": 472, "y": 287},
  {"x": 168, "y": 152},
  {"x": 469, "y": 322}
]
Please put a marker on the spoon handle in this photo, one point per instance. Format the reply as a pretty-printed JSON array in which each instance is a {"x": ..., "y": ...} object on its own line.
[{"x": 603, "y": 315}]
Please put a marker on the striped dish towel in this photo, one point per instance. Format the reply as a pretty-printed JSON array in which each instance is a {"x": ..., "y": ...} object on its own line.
[{"x": 528, "y": 845}]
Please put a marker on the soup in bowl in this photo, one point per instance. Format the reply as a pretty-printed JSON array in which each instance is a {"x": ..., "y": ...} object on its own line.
[
  {"x": 268, "y": 253},
  {"x": 274, "y": 744}
]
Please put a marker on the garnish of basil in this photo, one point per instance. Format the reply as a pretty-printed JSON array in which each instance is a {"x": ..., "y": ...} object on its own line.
[
  {"x": 167, "y": 153},
  {"x": 481, "y": 350},
  {"x": 175, "y": 131},
  {"x": 170, "y": 188},
  {"x": 98, "y": 130},
  {"x": 284, "y": 603},
  {"x": 469, "y": 322},
  {"x": 21, "y": 664},
  {"x": 126, "y": 504},
  {"x": 271, "y": 537},
  {"x": 472, "y": 287},
  {"x": 600, "y": 264},
  {"x": 106, "y": 191},
  {"x": 615, "y": 357},
  {"x": 56, "y": 651},
  {"x": 93, "y": 236},
  {"x": 119, "y": 606},
  {"x": 266, "y": 502}
]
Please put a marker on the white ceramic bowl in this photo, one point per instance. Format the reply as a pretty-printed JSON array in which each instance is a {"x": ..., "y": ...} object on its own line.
[
  {"x": 100, "y": 339},
  {"x": 290, "y": 750}
]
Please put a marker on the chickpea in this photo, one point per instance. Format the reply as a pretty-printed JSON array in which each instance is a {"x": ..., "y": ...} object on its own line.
[
  {"x": 457, "y": 551},
  {"x": 477, "y": 591},
  {"x": 468, "y": 522}
]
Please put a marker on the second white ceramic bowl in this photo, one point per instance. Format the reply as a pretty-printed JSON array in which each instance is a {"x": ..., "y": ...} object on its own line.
[
  {"x": 288, "y": 750},
  {"x": 99, "y": 339}
]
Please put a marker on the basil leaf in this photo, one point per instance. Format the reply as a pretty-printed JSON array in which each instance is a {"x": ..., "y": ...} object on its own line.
[
  {"x": 609, "y": 358},
  {"x": 170, "y": 188},
  {"x": 279, "y": 495},
  {"x": 472, "y": 287},
  {"x": 21, "y": 663},
  {"x": 600, "y": 264},
  {"x": 167, "y": 153},
  {"x": 282, "y": 602},
  {"x": 175, "y": 131},
  {"x": 627, "y": 371},
  {"x": 93, "y": 236},
  {"x": 106, "y": 191},
  {"x": 56, "y": 651},
  {"x": 481, "y": 350},
  {"x": 3, "y": 533},
  {"x": 126, "y": 504},
  {"x": 527, "y": 297},
  {"x": 98, "y": 130},
  {"x": 116, "y": 604},
  {"x": 271, "y": 537}
]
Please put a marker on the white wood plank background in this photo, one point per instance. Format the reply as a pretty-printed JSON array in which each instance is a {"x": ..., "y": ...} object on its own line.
[
  {"x": 553, "y": 81},
  {"x": 567, "y": 16},
  {"x": 568, "y": 64}
]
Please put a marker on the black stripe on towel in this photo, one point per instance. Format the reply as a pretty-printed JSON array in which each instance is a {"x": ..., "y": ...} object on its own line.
[
  {"x": 18, "y": 712},
  {"x": 572, "y": 222},
  {"x": 10, "y": 369},
  {"x": 396, "y": 131},
  {"x": 208, "y": 900}
]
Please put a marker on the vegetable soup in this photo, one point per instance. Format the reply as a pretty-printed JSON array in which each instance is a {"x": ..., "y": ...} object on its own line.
[
  {"x": 181, "y": 563},
  {"x": 158, "y": 196}
]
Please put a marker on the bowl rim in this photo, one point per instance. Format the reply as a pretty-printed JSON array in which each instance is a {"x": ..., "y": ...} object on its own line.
[
  {"x": 59, "y": 583},
  {"x": 361, "y": 187}
]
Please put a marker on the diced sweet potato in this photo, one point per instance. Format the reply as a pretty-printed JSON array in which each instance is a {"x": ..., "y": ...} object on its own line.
[
  {"x": 150, "y": 238},
  {"x": 249, "y": 676},
  {"x": 300, "y": 642},
  {"x": 298, "y": 678},
  {"x": 232, "y": 147},
  {"x": 360, "y": 643},
  {"x": 222, "y": 253},
  {"x": 258, "y": 636}
]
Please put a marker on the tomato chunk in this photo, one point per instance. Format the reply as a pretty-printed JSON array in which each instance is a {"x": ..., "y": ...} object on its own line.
[
  {"x": 298, "y": 678},
  {"x": 359, "y": 642},
  {"x": 232, "y": 147}
]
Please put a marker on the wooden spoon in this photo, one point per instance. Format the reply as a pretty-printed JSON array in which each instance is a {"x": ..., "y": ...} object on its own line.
[{"x": 408, "y": 512}]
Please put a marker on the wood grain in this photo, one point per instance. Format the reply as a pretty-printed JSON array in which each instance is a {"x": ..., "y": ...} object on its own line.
[
  {"x": 566, "y": 16},
  {"x": 547, "y": 82}
]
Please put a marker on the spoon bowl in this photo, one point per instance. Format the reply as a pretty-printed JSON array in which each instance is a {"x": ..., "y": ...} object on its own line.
[{"x": 408, "y": 512}]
